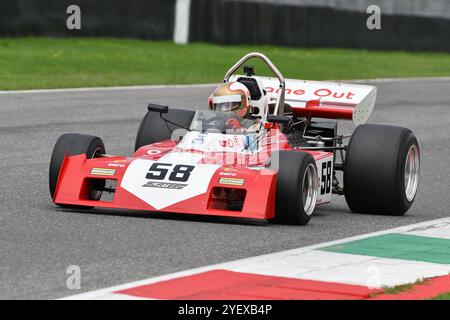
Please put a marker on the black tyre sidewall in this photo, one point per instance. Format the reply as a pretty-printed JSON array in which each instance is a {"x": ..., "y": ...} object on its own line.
[
  {"x": 71, "y": 144},
  {"x": 374, "y": 169},
  {"x": 154, "y": 129},
  {"x": 289, "y": 203}
]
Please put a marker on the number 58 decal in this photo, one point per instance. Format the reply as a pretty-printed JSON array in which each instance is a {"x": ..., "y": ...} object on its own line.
[
  {"x": 325, "y": 186},
  {"x": 179, "y": 172}
]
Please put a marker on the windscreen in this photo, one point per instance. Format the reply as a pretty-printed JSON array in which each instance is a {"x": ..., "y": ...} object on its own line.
[{"x": 223, "y": 122}]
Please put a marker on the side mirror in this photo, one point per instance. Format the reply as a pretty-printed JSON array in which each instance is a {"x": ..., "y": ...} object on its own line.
[
  {"x": 157, "y": 108},
  {"x": 278, "y": 119}
]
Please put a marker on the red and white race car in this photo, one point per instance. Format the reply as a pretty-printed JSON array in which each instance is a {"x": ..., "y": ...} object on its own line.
[{"x": 277, "y": 167}]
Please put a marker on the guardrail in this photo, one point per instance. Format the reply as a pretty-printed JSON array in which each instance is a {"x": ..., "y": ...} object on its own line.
[{"x": 421, "y": 25}]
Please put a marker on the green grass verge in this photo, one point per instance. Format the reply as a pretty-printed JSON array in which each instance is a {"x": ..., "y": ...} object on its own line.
[
  {"x": 445, "y": 296},
  {"x": 32, "y": 63},
  {"x": 401, "y": 288},
  {"x": 398, "y": 289},
  {"x": 406, "y": 287}
]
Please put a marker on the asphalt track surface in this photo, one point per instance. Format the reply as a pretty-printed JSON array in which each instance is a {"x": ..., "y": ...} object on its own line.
[{"x": 38, "y": 241}]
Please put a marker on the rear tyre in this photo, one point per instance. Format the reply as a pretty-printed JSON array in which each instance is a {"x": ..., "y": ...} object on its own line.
[
  {"x": 74, "y": 144},
  {"x": 297, "y": 187},
  {"x": 154, "y": 129},
  {"x": 381, "y": 172}
]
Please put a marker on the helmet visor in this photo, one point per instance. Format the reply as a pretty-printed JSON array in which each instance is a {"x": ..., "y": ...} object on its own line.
[
  {"x": 227, "y": 103},
  {"x": 226, "y": 106}
]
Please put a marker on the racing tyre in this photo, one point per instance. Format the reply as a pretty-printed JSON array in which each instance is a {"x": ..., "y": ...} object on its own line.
[
  {"x": 297, "y": 187},
  {"x": 381, "y": 172},
  {"x": 154, "y": 129},
  {"x": 74, "y": 144}
]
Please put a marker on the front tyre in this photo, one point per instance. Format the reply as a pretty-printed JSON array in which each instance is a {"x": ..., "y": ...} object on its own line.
[
  {"x": 74, "y": 144},
  {"x": 381, "y": 172},
  {"x": 297, "y": 187},
  {"x": 154, "y": 129}
]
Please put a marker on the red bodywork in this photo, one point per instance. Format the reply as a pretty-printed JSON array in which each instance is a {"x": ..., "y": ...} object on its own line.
[{"x": 258, "y": 187}]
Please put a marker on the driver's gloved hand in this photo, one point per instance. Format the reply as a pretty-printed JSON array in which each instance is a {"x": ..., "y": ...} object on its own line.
[{"x": 233, "y": 124}]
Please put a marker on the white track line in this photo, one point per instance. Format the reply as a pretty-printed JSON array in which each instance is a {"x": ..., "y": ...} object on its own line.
[
  {"x": 410, "y": 229},
  {"x": 207, "y": 85}
]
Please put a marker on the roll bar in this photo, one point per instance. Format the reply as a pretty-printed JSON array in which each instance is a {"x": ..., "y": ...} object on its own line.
[{"x": 279, "y": 105}]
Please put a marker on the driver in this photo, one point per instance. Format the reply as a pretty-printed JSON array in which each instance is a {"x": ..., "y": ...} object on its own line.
[{"x": 234, "y": 98}]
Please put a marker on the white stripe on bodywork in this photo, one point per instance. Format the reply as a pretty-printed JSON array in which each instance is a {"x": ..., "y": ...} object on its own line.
[{"x": 134, "y": 179}]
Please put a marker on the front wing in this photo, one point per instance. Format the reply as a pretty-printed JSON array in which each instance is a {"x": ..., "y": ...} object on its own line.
[{"x": 139, "y": 185}]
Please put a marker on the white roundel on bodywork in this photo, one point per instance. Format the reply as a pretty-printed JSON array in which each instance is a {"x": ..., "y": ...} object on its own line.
[{"x": 164, "y": 191}]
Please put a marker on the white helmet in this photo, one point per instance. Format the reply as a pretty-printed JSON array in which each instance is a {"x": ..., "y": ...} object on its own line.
[{"x": 231, "y": 96}]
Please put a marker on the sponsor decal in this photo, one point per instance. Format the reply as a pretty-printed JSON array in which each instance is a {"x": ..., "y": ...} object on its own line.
[
  {"x": 165, "y": 185},
  {"x": 198, "y": 140},
  {"x": 251, "y": 142},
  {"x": 232, "y": 181},
  {"x": 320, "y": 92},
  {"x": 228, "y": 174},
  {"x": 216, "y": 142},
  {"x": 103, "y": 172},
  {"x": 231, "y": 142},
  {"x": 117, "y": 165}
]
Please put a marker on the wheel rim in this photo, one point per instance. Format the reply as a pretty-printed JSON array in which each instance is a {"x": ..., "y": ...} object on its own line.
[
  {"x": 309, "y": 189},
  {"x": 412, "y": 167}
]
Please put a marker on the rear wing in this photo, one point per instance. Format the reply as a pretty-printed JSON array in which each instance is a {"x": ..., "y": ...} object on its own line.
[{"x": 325, "y": 99}]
